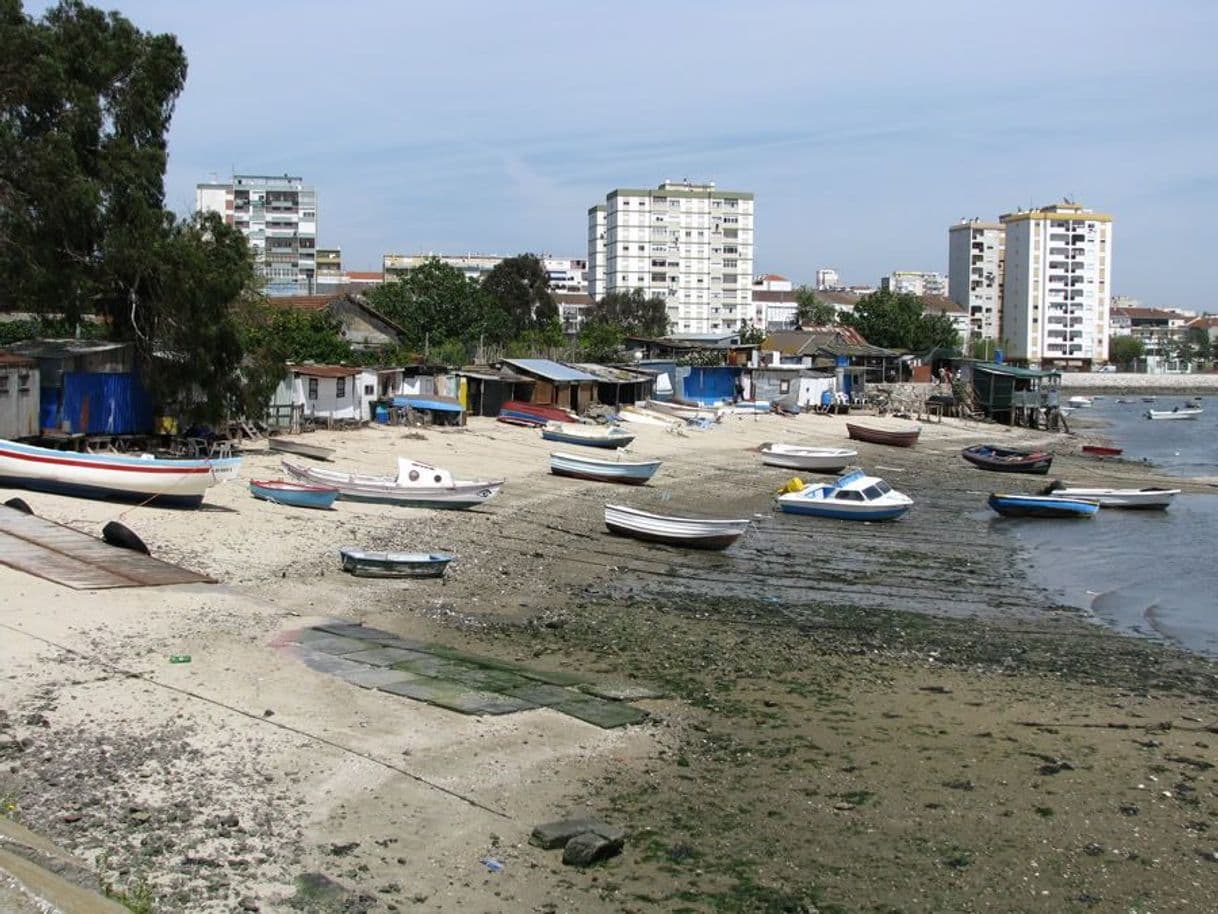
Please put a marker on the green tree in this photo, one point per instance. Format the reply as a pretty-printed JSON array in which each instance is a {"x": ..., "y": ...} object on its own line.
[
  {"x": 1125, "y": 350},
  {"x": 600, "y": 341},
  {"x": 435, "y": 303},
  {"x": 520, "y": 287},
  {"x": 85, "y": 103},
  {"x": 896, "y": 320},
  {"x": 812, "y": 311},
  {"x": 634, "y": 313},
  {"x": 750, "y": 335},
  {"x": 543, "y": 341}
]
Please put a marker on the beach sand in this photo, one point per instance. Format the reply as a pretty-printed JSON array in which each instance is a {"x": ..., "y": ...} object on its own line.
[{"x": 819, "y": 743}]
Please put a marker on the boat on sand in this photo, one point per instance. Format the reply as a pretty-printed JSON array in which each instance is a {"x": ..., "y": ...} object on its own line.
[
  {"x": 586, "y": 435},
  {"x": 293, "y": 494},
  {"x": 365, "y": 564},
  {"x": 300, "y": 448},
  {"x": 1060, "y": 506},
  {"x": 852, "y": 496},
  {"x": 901, "y": 437},
  {"x": 417, "y": 485},
  {"x": 799, "y": 457},
  {"x": 628, "y": 472},
  {"x": 694, "y": 532},
  {"x": 1007, "y": 460}
]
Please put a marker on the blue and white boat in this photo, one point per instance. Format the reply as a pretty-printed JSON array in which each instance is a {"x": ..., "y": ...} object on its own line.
[
  {"x": 628, "y": 472},
  {"x": 1043, "y": 505},
  {"x": 294, "y": 494},
  {"x": 609, "y": 436},
  {"x": 365, "y": 564},
  {"x": 852, "y": 496}
]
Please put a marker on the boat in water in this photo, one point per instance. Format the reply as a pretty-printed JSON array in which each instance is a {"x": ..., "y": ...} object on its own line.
[
  {"x": 518, "y": 412},
  {"x": 1009, "y": 505},
  {"x": 144, "y": 478},
  {"x": 293, "y": 494},
  {"x": 1007, "y": 460},
  {"x": 628, "y": 472},
  {"x": 1080, "y": 402},
  {"x": 1176, "y": 412},
  {"x": 602, "y": 436},
  {"x": 906, "y": 437},
  {"x": 693, "y": 532},
  {"x": 300, "y": 448},
  {"x": 813, "y": 459},
  {"x": 852, "y": 496},
  {"x": 1099, "y": 450},
  {"x": 365, "y": 564},
  {"x": 1149, "y": 498},
  {"x": 417, "y": 485}
]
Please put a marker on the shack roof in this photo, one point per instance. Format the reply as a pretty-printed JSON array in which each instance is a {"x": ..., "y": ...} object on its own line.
[
  {"x": 489, "y": 373},
  {"x": 550, "y": 370},
  {"x": 64, "y": 349},
  {"x": 613, "y": 374},
  {"x": 324, "y": 371},
  {"x": 829, "y": 341},
  {"x": 12, "y": 360},
  {"x": 1014, "y": 371}
]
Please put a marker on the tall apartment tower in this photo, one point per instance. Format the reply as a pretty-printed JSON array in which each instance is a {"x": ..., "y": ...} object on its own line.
[
  {"x": 278, "y": 216},
  {"x": 689, "y": 244},
  {"x": 1058, "y": 279},
  {"x": 976, "y": 257},
  {"x": 827, "y": 280}
]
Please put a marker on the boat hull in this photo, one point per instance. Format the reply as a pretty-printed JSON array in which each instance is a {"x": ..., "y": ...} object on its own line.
[
  {"x": 1046, "y": 506},
  {"x": 287, "y": 446},
  {"x": 630, "y": 474},
  {"x": 518, "y": 412},
  {"x": 1096, "y": 450},
  {"x": 883, "y": 436},
  {"x": 811, "y": 508},
  {"x": 1173, "y": 413},
  {"x": 158, "y": 482},
  {"x": 694, "y": 533},
  {"x": 1149, "y": 499},
  {"x": 821, "y": 460},
  {"x": 292, "y": 494},
  {"x": 604, "y": 440},
  {"x": 383, "y": 491},
  {"x": 394, "y": 564},
  {"x": 1001, "y": 460}
]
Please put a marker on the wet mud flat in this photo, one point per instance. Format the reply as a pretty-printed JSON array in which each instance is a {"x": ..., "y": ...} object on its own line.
[{"x": 888, "y": 717}]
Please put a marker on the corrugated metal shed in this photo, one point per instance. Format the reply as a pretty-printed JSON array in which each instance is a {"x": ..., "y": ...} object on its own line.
[
  {"x": 550, "y": 370},
  {"x": 66, "y": 556},
  {"x": 105, "y": 404},
  {"x": 616, "y": 375}
]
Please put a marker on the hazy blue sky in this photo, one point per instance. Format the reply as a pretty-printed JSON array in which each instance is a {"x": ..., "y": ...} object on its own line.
[{"x": 864, "y": 128}]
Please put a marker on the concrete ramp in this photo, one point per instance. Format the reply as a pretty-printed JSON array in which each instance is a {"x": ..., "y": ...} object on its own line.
[{"x": 74, "y": 559}]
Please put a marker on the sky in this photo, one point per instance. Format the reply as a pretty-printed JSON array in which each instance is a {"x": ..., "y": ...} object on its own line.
[{"x": 864, "y": 128}]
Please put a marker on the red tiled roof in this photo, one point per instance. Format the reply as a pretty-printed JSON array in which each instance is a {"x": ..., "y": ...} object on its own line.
[
  {"x": 773, "y": 277},
  {"x": 941, "y": 303},
  {"x": 366, "y": 276},
  {"x": 301, "y": 302},
  {"x": 774, "y": 295},
  {"x": 13, "y": 360},
  {"x": 1205, "y": 321},
  {"x": 1148, "y": 313}
]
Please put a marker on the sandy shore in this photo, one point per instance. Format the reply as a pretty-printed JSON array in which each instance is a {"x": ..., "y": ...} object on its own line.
[{"x": 817, "y": 745}]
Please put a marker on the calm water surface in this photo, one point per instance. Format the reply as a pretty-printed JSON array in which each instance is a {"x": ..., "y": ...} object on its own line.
[{"x": 1152, "y": 573}]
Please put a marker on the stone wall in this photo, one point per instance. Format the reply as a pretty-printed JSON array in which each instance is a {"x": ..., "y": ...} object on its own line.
[{"x": 1118, "y": 381}]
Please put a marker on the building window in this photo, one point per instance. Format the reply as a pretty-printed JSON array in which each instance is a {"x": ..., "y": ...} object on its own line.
[
  {"x": 784, "y": 387},
  {"x": 369, "y": 390},
  {"x": 312, "y": 388},
  {"x": 340, "y": 388}
]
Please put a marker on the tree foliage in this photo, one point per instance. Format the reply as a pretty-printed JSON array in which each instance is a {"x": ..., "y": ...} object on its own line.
[
  {"x": 895, "y": 320},
  {"x": 601, "y": 341},
  {"x": 750, "y": 335},
  {"x": 85, "y": 103},
  {"x": 812, "y": 311},
  {"x": 436, "y": 304},
  {"x": 520, "y": 287},
  {"x": 632, "y": 312},
  {"x": 1125, "y": 350}
]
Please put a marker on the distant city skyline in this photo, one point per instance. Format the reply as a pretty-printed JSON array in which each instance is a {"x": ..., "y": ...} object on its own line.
[{"x": 863, "y": 130}]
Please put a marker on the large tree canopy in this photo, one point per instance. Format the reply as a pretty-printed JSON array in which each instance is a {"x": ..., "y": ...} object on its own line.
[
  {"x": 632, "y": 312},
  {"x": 812, "y": 312},
  {"x": 85, "y": 103},
  {"x": 436, "y": 304},
  {"x": 896, "y": 320},
  {"x": 1125, "y": 350},
  {"x": 521, "y": 288}
]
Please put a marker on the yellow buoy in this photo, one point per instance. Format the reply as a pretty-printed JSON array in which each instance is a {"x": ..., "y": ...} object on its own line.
[{"x": 794, "y": 484}]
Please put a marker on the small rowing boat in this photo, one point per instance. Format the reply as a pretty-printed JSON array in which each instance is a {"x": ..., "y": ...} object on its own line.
[
  {"x": 586, "y": 435},
  {"x": 364, "y": 564},
  {"x": 293, "y": 494},
  {"x": 1007, "y": 460},
  {"x": 299, "y": 448},
  {"x": 813, "y": 459},
  {"x": 417, "y": 485},
  {"x": 518, "y": 412},
  {"x": 628, "y": 472},
  {"x": 694, "y": 532},
  {"x": 906, "y": 437},
  {"x": 1099, "y": 450},
  {"x": 1177, "y": 412},
  {"x": 1042, "y": 506},
  {"x": 1149, "y": 498}
]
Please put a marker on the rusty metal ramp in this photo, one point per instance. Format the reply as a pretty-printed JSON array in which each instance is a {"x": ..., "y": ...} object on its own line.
[{"x": 49, "y": 550}]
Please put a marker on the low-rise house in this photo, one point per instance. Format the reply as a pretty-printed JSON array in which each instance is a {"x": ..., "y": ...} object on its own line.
[
  {"x": 556, "y": 384},
  {"x": 361, "y": 325},
  {"x": 776, "y": 381},
  {"x": 957, "y": 314},
  {"x": 327, "y": 393},
  {"x": 18, "y": 396},
  {"x": 1161, "y": 331},
  {"x": 839, "y": 349}
]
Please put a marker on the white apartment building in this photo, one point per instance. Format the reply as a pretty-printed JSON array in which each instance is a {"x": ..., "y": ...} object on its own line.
[
  {"x": 1056, "y": 285},
  {"x": 827, "y": 280},
  {"x": 689, "y": 244},
  {"x": 976, "y": 256},
  {"x": 566, "y": 274},
  {"x": 278, "y": 216},
  {"x": 915, "y": 282}
]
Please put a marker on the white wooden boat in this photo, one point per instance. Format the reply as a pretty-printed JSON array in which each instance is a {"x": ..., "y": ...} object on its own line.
[
  {"x": 1080, "y": 402},
  {"x": 630, "y": 472},
  {"x": 586, "y": 435},
  {"x": 300, "y": 448},
  {"x": 852, "y": 496},
  {"x": 1178, "y": 412},
  {"x": 417, "y": 485},
  {"x": 638, "y": 416},
  {"x": 364, "y": 564},
  {"x": 695, "y": 532},
  {"x": 684, "y": 411},
  {"x": 799, "y": 457},
  {"x": 1146, "y": 499},
  {"x": 161, "y": 482}
]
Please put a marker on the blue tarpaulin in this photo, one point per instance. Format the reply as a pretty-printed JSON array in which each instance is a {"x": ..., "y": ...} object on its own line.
[
  {"x": 714, "y": 384},
  {"x": 105, "y": 404},
  {"x": 442, "y": 406}
]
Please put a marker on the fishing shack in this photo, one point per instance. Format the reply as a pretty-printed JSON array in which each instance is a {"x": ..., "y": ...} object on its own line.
[
  {"x": 1016, "y": 396},
  {"x": 616, "y": 386},
  {"x": 556, "y": 384},
  {"x": 18, "y": 396}
]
